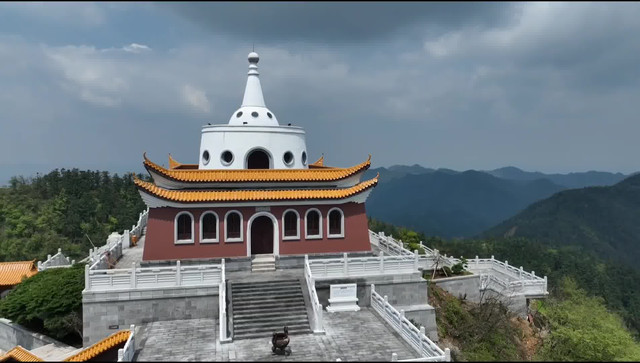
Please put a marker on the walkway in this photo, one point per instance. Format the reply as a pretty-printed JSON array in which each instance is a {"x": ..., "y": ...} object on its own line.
[
  {"x": 131, "y": 255},
  {"x": 350, "y": 336}
]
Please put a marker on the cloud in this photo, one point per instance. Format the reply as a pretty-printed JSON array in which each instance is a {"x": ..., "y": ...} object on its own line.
[
  {"x": 136, "y": 48},
  {"x": 196, "y": 97},
  {"x": 330, "y": 22},
  {"x": 540, "y": 86},
  {"x": 85, "y": 14}
]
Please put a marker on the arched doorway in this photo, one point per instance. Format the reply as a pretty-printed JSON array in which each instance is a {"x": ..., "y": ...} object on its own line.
[
  {"x": 258, "y": 159},
  {"x": 261, "y": 235}
]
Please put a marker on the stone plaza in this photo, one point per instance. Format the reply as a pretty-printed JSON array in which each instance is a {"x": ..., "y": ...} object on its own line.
[{"x": 350, "y": 336}]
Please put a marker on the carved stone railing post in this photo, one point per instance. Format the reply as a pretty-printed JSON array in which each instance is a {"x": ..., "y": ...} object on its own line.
[
  {"x": 87, "y": 283},
  {"x": 178, "y": 273},
  {"x": 346, "y": 265},
  {"x": 133, "y": 276}
]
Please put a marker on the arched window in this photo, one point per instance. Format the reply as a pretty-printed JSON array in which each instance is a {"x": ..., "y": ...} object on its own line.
[
  {"x": 290, "y": 225},
  {"x": 313, "y": 224},
  {"x": 183, "y": 228},
  {"x": 335, "y": 223},
  {"x": 208, "y": 227},
  {"x": 233, "y": 227},
  {"x": 258, "y": 159}
]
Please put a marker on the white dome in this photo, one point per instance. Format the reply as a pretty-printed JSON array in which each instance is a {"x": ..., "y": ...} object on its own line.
[{"x": 251, "y": 115}]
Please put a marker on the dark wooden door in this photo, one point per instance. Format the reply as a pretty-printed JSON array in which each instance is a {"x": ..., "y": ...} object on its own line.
[{"x": 261, "y": 235}]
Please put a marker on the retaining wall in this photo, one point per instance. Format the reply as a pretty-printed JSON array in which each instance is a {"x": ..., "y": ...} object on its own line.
[{"x": 107, "y": 312}]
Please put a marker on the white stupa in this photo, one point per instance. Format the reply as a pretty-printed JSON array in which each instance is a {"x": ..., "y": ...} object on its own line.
[{"x": 253, "y": 138}]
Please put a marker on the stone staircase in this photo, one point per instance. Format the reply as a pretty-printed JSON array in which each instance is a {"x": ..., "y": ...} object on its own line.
[
  {"x": 262, "y": 308},
  {"x": 262, "y": 263}
]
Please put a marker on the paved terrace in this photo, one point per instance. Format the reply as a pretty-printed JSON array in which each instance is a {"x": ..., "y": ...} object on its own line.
[
  {"x": 350, "y": 336},
  {"x": 131, "y": 255}
]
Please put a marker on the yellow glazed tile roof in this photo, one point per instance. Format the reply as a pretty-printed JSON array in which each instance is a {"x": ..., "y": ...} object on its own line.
[
  {"x": 321, "y": 174},
  {"x": 11, "y": 273},
  {"x": 203, "y": 196},
  {"x": 100, "y": 347},
  {"x": 21, "y": 355}
]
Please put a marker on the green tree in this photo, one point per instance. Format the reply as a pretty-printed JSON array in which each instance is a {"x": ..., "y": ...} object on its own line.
[{"x": 49, "y": 302}]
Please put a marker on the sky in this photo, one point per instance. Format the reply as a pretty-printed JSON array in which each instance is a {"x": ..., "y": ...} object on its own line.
[{"x": 551, "y": 87}]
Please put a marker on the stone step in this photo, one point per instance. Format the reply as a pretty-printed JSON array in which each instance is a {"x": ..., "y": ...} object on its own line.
[
  {"x": 268, "y": 314},
  {"x": 264, "y": 283},
  {"x": 264, "y": 256},
  {"x": 282, "y": 290},
  {"x": 270, "y": 327},
  {"x": 261, "y": 298},
  {"x": 269, "y": 334},
  {"x": 263, "y": 269},
  {"x": 263, "y": 261},
  {"x": 264, "y": 286},
  {"x": 262, "y": 308},
  {"x": 291, "y": 315},
  {"x": 274, "y": 303},
  {"x": 270, "y": 305},
  {"x": 269, "y": 324},
  {"x": 275, "y": 306}
]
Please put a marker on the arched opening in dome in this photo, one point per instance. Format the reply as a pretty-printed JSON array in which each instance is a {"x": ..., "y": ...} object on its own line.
[{"x": 258, "y": 159}]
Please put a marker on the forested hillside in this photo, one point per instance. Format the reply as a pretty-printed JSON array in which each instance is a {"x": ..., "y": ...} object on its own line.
[
  {"x": 604, "y": 220},
  {"x": 64, "y": 209},
  {"x": 616, "y": 284}
]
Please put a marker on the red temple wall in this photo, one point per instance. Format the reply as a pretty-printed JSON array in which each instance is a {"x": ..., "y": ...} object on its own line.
[{"x": 159, "y": 241}]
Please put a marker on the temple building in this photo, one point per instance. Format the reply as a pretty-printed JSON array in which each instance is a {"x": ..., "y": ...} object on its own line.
[{"x": 254, "y": 192}]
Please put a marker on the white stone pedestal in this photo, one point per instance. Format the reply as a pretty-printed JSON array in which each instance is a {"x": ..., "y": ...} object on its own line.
[{"x": 343, "y": 297}]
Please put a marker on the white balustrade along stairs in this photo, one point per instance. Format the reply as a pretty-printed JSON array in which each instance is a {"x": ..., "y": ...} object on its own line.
[{"x": 495, "y": 275}]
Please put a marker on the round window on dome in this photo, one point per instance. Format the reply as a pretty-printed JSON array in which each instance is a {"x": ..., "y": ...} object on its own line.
[
  {"x": 254, "y": 114},
  {"x": 238, "y": 114},
  {"x": 288, "y": 158},
  {"x": 226, "y": 157},
  {"x": 269, "y": 115},
  {"x": 304, "y": 158},
  {"x": 205, "y": 157}
]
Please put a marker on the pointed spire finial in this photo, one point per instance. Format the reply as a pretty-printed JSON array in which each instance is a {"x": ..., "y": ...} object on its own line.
[{"x": 253, "y": 91}]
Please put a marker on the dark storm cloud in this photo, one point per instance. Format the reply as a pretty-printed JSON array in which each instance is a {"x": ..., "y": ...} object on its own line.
[{"x": 335, "y": 22}]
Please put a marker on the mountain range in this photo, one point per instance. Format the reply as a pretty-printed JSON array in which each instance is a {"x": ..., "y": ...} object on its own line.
[{"x": 449, "y": 203}]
